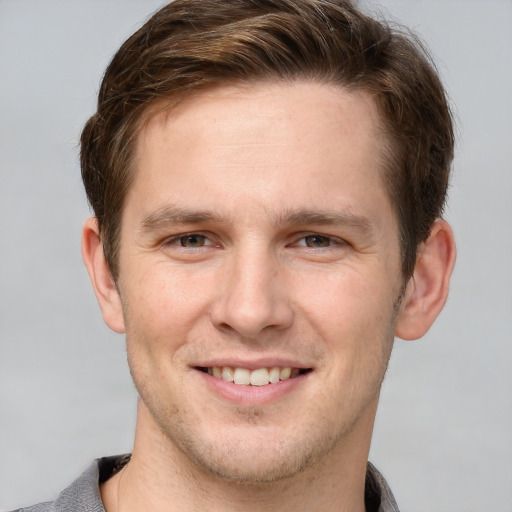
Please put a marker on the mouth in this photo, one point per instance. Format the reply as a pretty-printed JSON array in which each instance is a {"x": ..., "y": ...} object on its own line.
[{"x": 256, "y": 377}]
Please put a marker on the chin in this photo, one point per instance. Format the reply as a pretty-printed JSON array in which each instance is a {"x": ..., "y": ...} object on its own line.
[
  {"x": 253, "y": 476},
  {"x": 253, "y": 468},
  {"x": 254, "y": 455}
]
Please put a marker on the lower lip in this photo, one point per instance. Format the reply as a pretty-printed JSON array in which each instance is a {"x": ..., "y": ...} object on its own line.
[{"x": 252, "y": 395}]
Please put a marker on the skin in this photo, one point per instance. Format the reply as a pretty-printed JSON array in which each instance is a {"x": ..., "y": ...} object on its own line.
[{"x": 294, "y": 260}]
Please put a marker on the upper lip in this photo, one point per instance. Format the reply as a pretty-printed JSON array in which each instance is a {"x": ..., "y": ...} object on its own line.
[{"x": 252, "y": 364}]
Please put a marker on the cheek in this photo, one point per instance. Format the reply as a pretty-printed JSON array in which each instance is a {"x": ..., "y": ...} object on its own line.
[
  {"x": 354, "y": 315},
  {"x": 166, "y": 295},
  {"x": 158, "y": 311},
  {"x": 346, "y": 299}
]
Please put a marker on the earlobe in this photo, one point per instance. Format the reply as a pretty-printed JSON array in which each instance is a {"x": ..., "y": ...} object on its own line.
[
  {"x": 101, "y": 277},
  {"x": 427, "y": 289}
]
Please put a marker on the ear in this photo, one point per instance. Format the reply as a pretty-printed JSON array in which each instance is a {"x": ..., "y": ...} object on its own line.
[
  {"x": 427, "y": 289},
  {"x": 101, "y": 278}
]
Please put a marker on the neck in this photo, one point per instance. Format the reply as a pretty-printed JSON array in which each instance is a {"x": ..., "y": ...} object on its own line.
[{"x": 160, "y": 477}]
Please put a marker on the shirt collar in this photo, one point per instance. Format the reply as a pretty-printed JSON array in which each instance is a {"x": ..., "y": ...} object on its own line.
[{"x": 83, "y": 495}]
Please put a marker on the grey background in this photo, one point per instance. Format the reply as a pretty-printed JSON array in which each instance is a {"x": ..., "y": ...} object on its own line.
[{"x": 443, "y": 436}]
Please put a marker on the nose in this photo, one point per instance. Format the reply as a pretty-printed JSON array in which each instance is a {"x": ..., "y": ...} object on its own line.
[{"x": 252, "y": 296}]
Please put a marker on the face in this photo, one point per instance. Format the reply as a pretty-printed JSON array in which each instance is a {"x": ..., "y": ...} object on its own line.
[{"x": 258, "y": 244}]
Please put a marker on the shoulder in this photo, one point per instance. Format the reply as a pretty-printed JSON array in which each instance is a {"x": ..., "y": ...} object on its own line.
[
  {"x": 41, "y": 507},
  {"x": 378, "y": 495},
  {"x": 83, "y": 495}
]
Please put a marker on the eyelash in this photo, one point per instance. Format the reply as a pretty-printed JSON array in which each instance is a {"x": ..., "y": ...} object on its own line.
[
  {"x": 177, "y": 240},
  {"x": 331, "y": 241}
]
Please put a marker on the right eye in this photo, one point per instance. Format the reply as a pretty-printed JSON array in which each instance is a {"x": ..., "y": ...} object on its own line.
[
  {"x": 190, "y": 241},
  {"x": 317, "y": 241}
]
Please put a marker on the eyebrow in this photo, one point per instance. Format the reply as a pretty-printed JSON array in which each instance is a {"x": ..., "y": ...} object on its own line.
[
  {"x": 172, "y": 215},
  {"x": 344, "y": 217}
]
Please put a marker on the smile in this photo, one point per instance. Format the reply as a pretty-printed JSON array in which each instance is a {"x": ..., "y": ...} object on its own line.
[{"x": 257, "y": 377}]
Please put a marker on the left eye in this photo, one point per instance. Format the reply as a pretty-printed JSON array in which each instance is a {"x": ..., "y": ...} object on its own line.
[
  {"x": 192, "y": 241},
  {"x": 317, "y": 241}
]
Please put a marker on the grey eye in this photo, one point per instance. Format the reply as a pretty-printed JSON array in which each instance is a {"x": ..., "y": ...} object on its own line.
[
  {"x": 317, "y": 241},
  {"x": 192, "y": 241}
]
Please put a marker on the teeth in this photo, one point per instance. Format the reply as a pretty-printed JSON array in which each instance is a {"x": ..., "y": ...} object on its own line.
[
  {"x": 227, "y": 374},
  {"x": 259, "y": 377},
  {"x": 242, "y": 376},
  {"x": 274, "y": 375},
  {"x": 285, "y": 373}
]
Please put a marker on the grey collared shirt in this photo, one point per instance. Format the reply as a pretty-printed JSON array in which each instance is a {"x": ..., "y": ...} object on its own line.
[{"x": 83, "y": 495}]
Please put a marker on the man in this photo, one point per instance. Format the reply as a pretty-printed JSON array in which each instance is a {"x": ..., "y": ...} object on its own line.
[{"x": 267, "y": 178}]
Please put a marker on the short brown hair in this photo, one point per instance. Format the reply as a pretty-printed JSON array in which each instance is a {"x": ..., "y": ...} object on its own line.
[{"x": 190, "y": 45}]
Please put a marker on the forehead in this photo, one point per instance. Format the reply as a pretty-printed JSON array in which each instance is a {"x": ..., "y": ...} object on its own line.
[
  {"x": 280, "y": 103},
  {"x": 308, "y": 138}
]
